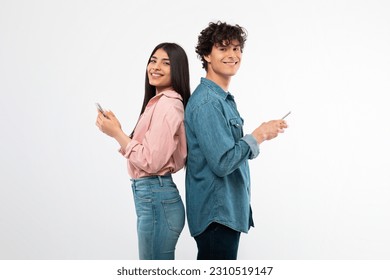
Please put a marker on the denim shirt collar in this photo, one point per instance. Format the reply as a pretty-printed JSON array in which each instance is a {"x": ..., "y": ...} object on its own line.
[{"x": 217, "y": 89}]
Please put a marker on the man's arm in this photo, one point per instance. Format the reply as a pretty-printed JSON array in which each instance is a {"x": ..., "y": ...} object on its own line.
[{"x": 214, "y": 134}]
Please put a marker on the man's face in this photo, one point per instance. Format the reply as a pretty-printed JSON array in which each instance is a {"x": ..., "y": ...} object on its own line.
[{"x": 224, "y": 60}]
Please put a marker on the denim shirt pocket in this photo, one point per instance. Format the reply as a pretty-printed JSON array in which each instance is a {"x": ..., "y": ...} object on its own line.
[{"x": 236, "y": 125}]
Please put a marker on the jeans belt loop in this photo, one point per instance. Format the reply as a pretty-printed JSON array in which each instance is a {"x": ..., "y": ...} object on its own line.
[{"x": 160, "y": 180}]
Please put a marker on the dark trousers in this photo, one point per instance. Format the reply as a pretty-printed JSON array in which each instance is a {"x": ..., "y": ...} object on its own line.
[{"x": 218, "y": 242}]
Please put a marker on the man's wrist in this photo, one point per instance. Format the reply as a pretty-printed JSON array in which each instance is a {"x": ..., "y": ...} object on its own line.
[{"x": 251, "y": 140}]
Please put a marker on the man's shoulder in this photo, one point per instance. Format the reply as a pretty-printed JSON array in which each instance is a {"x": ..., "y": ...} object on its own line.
[
  {"x": 201, "y": 92},
  {"x": 202, "y": 95}
]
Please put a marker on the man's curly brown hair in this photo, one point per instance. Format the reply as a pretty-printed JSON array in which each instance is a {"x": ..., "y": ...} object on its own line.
[{"x": 219, "y": 33}]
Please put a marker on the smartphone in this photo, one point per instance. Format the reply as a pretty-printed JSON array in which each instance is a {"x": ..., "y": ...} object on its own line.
[
  {"x": 100, "y": 109},
  {"x": 286, "y": 115}
]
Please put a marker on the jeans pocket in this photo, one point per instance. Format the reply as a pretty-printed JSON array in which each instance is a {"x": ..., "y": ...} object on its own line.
[
  {"x": 143, "y": 194},
  {"x": 174, "y": 214}
]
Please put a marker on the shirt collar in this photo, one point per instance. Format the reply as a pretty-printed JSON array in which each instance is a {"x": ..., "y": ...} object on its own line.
[
  {"x": 169, "y": 93},
  {"x": 217, "y": 89}
]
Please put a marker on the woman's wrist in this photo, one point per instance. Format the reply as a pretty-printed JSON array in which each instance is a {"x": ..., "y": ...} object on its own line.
[{"x": 122, "y": 139}]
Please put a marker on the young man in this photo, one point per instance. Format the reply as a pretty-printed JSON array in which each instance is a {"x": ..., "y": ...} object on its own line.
[{"x": 217, "y": 174}]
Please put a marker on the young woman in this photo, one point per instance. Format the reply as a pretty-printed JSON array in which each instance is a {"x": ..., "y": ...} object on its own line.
[{"x": 155, "y": 149}]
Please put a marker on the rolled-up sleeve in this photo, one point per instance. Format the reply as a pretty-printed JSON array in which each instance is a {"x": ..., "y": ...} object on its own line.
[{"x": 253, "y": 145}]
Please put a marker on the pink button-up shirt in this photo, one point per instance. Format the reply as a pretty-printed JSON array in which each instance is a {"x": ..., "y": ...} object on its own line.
[{"x": 159, "y": 144}]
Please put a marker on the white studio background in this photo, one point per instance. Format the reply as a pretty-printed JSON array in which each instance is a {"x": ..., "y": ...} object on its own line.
[{"x": 320, "y": 191}]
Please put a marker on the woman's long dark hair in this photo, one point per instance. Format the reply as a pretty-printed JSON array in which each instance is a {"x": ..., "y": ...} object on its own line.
[{"x": 180, "y": 74}]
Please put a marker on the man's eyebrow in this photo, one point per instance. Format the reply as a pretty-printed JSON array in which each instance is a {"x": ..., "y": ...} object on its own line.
[{"x": 230, "y": 44}]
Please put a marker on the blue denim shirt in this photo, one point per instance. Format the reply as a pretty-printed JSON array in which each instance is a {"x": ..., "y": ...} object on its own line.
[{"x": 217, "y": 173}]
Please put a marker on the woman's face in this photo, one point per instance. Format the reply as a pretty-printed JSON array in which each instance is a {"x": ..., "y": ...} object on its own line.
[{"x": 159, "y": 71}]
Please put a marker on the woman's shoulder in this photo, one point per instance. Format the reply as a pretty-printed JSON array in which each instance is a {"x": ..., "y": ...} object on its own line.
[
  {"x": 170, "y": 102},
  {"x": 170, "y": 94}
]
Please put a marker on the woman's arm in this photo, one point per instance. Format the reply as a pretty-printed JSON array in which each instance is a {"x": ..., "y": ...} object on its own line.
[
  {"x": 153, "y": 151},
  {"x": 112, "y": 127}
]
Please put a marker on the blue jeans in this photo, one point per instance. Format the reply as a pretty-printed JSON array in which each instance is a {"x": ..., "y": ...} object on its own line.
[
  {"x": 160, "y": 216},
  {"x": 218, "y": 242}
]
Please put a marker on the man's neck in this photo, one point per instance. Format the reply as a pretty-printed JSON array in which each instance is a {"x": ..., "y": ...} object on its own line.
[{"x": 222, "y": 81}]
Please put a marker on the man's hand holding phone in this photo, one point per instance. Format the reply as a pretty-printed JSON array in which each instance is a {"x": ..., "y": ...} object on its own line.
[{"x": 269, "y": 130}]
